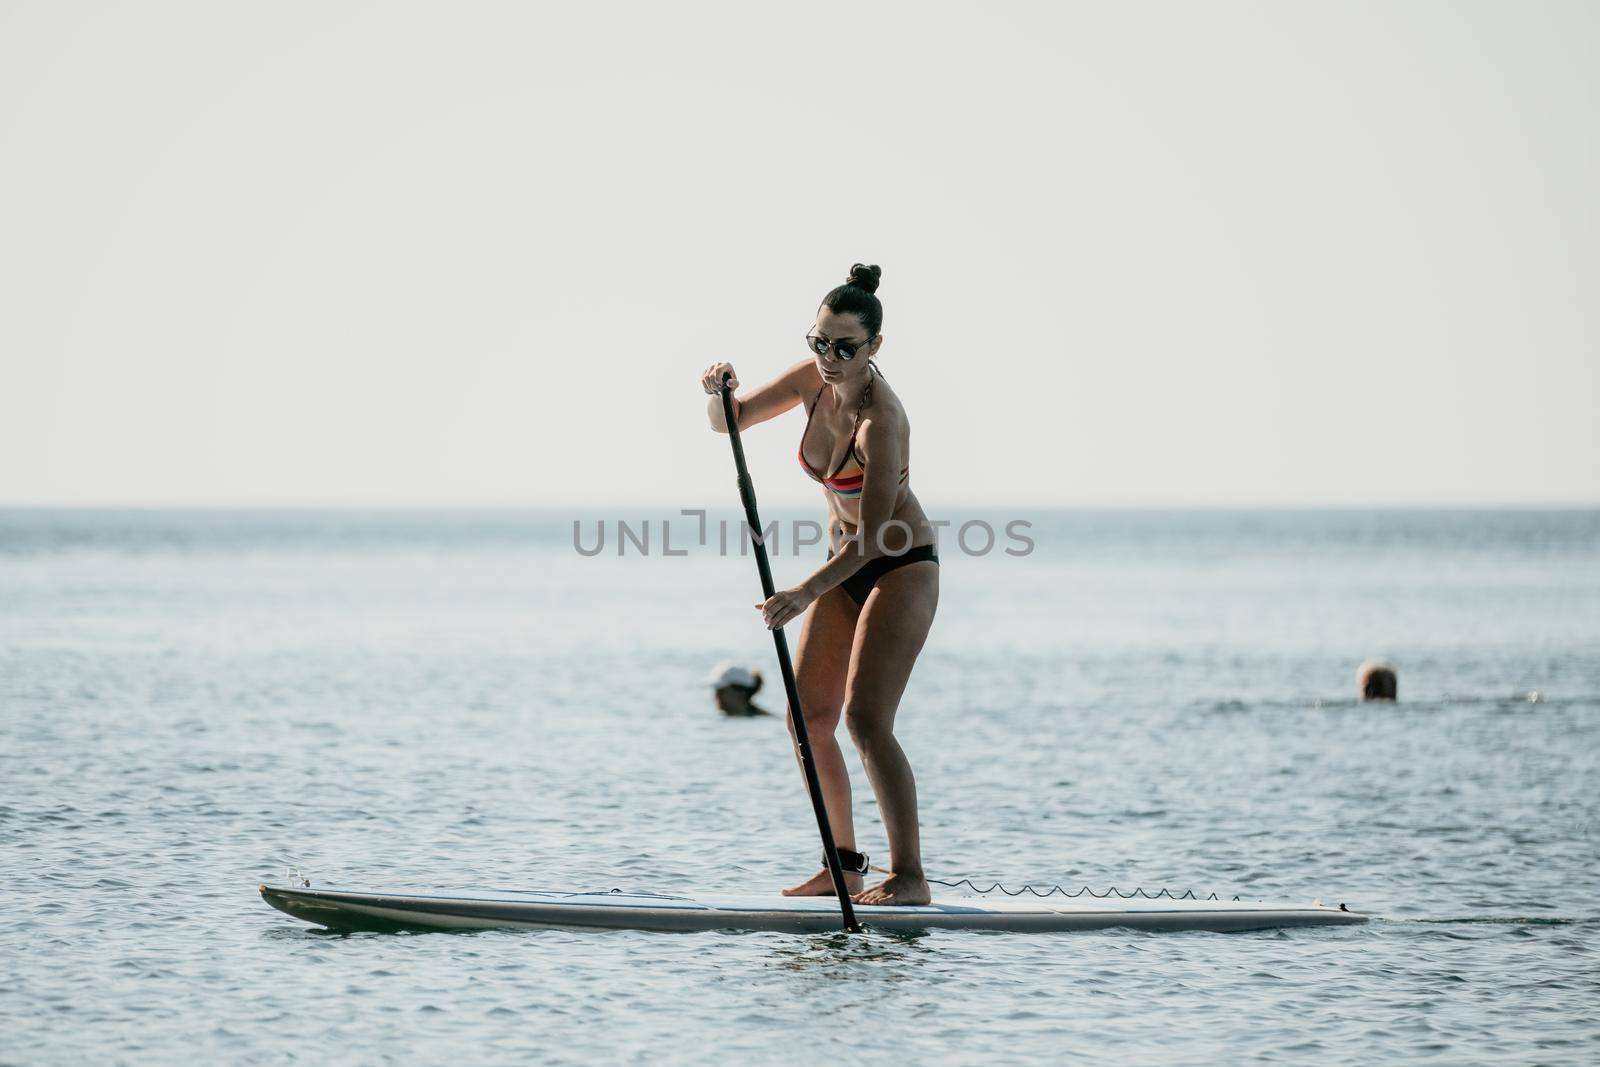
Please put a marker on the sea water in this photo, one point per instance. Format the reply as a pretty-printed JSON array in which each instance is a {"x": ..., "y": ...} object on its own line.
[{"x": 193, "y": 702}]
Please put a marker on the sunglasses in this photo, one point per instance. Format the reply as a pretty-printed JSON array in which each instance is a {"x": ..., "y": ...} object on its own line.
[{"x": 845, "y": 350}]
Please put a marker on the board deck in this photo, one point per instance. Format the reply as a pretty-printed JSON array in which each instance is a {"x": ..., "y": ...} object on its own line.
[{"x": 364, "y": 909}]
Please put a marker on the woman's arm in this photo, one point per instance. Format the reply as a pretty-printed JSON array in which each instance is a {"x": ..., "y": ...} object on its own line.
[{"x": 759, "y": 404}]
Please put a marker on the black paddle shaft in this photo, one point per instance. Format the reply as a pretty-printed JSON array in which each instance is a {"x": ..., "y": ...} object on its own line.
[{"x": 802, "y": 743}]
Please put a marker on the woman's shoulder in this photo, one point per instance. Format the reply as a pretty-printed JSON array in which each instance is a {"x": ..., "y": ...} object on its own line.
[
  {"x": 805, "y": 379},
  {"x": 885, "y": 407},
  {"x": 883, "y": 425}
]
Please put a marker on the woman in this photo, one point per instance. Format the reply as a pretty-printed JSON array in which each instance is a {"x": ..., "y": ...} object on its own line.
[{"x": 873, "y": 601}]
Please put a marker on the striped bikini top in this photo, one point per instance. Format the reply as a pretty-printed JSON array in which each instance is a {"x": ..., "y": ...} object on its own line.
[{"x": 851, "y": 474}]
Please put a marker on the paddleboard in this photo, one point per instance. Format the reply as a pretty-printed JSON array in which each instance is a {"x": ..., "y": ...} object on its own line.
[{"x": 366, "y": 909}]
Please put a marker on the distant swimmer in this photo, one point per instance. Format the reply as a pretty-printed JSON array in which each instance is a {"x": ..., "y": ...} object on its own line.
[
  {"x": 733, "y": 686},
  {"x": 1375, "y": 680}
]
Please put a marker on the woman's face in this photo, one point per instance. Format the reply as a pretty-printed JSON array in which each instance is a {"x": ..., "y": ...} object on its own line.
[{"x": 842, "y": 328}]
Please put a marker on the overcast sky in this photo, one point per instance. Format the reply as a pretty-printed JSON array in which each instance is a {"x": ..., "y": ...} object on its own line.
[{"x": 1190, "y": 253}]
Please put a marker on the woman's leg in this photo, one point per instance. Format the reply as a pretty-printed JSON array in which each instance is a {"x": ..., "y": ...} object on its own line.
[
  {"x": 822, "y": 660},
  {"x": 894, "y": 624}
]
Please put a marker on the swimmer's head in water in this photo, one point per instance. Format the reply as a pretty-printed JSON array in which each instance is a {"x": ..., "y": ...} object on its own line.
[
  {"x": 733, "y": 686},
  {"x": 1376, "y": 681}
]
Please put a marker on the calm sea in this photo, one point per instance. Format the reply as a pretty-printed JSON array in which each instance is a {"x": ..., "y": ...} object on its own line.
[{"x": 190, "y": 702}]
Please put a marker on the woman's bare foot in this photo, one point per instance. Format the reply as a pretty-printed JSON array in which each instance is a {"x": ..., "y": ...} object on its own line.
[
  {"x": 896, "y": 889},
  {"x": 821, "y": 885}
]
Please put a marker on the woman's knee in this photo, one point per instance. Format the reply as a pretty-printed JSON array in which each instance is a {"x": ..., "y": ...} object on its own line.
[
  {"x": 868, "y": 726},
  {"x": 821, "y": 713}
]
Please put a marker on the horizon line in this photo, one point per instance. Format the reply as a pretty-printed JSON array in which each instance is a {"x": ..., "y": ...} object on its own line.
[{"x": 592, "y": 506}]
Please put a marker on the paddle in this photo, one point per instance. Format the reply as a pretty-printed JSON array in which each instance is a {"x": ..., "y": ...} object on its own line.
[{"x": 747, "y": 494}]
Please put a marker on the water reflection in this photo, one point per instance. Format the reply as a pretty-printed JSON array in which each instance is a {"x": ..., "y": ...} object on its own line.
[{"x": 841, "y": 955}]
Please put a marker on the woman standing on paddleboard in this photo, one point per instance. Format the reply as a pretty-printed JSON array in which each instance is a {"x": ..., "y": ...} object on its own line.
[{"x": 874, "y": 599}]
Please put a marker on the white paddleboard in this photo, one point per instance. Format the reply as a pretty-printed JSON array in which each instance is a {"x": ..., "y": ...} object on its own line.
[{"x": 364, "y": 909}]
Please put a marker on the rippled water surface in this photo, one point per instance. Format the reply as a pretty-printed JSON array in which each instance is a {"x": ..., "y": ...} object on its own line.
[{"x": 190, "y": 702}]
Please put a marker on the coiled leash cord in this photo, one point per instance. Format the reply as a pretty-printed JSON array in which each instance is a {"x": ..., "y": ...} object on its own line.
[
  {"x": 1187, "y": 894},
  {"x": 858, "y": 863}
]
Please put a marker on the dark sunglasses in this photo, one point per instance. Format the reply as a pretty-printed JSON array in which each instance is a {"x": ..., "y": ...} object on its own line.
[{"x": 845, "y": 350}]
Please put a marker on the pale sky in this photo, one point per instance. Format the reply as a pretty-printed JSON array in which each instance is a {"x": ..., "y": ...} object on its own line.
[{"x": 469, "y": 253}]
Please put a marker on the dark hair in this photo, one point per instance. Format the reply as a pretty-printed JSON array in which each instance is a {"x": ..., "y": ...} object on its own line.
[
  {"x": 855, "y": 297},
  {"x": 1379, "y": 683}
]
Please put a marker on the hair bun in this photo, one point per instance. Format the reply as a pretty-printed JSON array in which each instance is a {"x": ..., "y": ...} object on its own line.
[{"x": 865, "y": 277}]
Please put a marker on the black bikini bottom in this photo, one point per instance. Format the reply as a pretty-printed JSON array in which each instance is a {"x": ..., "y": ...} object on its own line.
[{"x": 859, "y": 584}]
